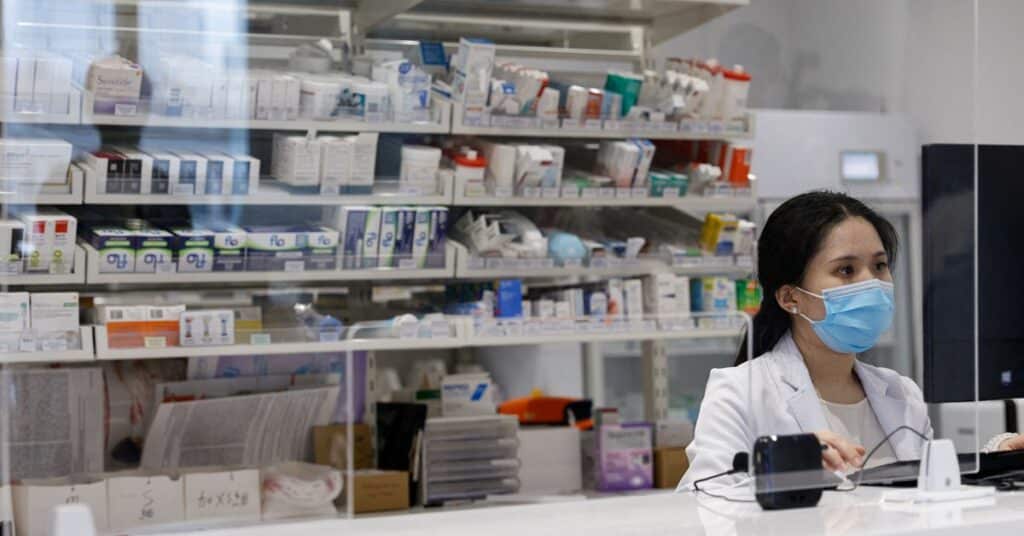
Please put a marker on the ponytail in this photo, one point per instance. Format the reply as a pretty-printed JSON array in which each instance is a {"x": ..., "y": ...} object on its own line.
[{"x": 770, "y": 324}]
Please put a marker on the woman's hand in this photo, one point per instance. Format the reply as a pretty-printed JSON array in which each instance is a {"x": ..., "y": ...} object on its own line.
[
  {"x": 840, "y": 454},
  {"x": 1013, "y": 443}
]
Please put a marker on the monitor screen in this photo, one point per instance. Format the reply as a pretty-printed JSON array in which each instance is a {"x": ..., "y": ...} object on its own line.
[{"x": 948, "y": 201}]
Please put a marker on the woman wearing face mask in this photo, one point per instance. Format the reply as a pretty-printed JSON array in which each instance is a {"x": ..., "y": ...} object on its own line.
[{"x": 823, "y": 262}]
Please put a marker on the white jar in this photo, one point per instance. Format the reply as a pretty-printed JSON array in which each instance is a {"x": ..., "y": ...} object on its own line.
[
  {"x": 420, "y": 164},
  {"x": 735, "y": 87}
]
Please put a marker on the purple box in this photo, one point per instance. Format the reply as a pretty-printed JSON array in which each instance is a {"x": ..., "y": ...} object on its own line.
[{"x": 624, "y": 460}]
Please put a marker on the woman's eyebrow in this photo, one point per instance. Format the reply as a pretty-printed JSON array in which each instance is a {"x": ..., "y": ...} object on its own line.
[{"x": 844, "y": 258}]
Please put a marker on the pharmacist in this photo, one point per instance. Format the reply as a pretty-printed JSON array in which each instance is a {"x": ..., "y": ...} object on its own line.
[{"x": 823, "y": 261}]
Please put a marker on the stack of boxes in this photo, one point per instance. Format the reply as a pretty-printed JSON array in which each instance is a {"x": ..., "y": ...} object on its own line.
[
  {"x": 473, "y": 64},
  {"x": 37, "y": 321},
  {"x": 40, "y": 241},
  {"x": 392, "y": 237},
  {"x": 126, "y": 170},
  {"x": 35, "y": 81},
  {"x": 468, "y": 458},
  {"x": 332, "y": 164},
  {"x": 627, "y": 162}
]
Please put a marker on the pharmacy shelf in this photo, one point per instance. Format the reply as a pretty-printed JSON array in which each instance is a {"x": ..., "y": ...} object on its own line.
[
  {"x": 94, "y": 277},
  {"x": 440, "y": 112},
  {"x": 72, "y": 197},
  {"x": 272, "y": 193},
  {"x": 603, "y": 336},
  {"x": 85, "y": 353},
  {"x": 105, "y": 352},
  {"x": 76, "y": 277},
  {"x": 737, "y": 204},
  {"x": 479, "y": 268},
  {"x": 73, "y": 117},
  {"x": 696, "y": 129}
]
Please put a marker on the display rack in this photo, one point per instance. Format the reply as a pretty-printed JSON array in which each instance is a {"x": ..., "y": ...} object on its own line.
[
  {"x": 72, "y": 117},
  {"x": 440, "y": 121},
  {"x": 28, "y": 279},
  {"x": 72, "y": 197},
  {"x": 95, "y": 277},
  {"x": 85, "y": 353}
]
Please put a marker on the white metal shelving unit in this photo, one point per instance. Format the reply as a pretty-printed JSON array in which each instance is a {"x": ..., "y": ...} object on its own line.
[
  {"x": 686, "y": 203},
  {"x": 72, "y": 197},
  {"x": 76, "y": 277},
  {"x": 84, "y": 354},
  {"x": 73, "y": 117}
]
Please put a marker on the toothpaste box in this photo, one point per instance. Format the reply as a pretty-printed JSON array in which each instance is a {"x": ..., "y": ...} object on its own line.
[
  {"x": 152, "y": 250},
  {"x": 438, "y": 237},
  {"x": 321, "y": 248},
  {"x": 193, "y": 249},
  {"x": 351, "y": 225},
  {"x": 388, "y": 235},
  {"x": 116, "y": 248},
  {"x": 371, "y": 238},
  {"x": 402, "y": 256},
  {"x": 274, "y": 248},
  {"x": 229, "y": 251}
]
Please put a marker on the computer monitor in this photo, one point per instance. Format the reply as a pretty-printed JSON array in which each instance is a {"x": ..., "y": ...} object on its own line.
[{"x": 948, "y": 192}]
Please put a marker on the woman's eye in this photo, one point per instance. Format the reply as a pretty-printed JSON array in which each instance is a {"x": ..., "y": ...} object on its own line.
[
  {"x": 846, "y": 270},
  {"x": 882, "y": 266}
]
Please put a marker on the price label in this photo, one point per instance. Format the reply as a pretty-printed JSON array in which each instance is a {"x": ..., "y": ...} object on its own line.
[
  {"x": 54, "y": 345},
  {"x": 476, "y": 263},
  {"x": 409, "y": 264},
  {"x": 294, "y": 266},
  {"x": 155, "y": 342},
  {"x": 572, "y": 124},
  {"x": 590, "y": 193},
  {"x": 533, "y": 328},
  {"x": 639, "y": 192},
  {"x": 744, "y": 261},
  {"x": 408, "y": 330},
  {"x": 531, "y": 192},
  {"x": 166, "y": 268},
  {"x": 592, "y": 124},
  {"x": 687, "y": 126},
  {"x": 688, "y": 261},
  {"x": 599, "y": 263},
  {"x": 412, "y": 189},
  {"x": 502, "y": 191},
  {"x": 27, "y": 343},
  {"x": 223, "y": 495},
  {"x": 572, "y": 263},
  {"x": 570, "y": 191},
  {"x": 670, "y": 193},
  {"x": 259, "y": 338},
  {"x": 439, "y": 329},
  {"x": 608, "y": 193},
  {"x": 513, "y": 328},
  {"x": 549, "y": 124},
  {"x": 495, "y": 263},
  {"x": 125, "y": 110},
  {"x": 623, "y": 193},
  {"x": 145, "y": 500},
  {"x": 716, "y": 127},
  {"x": 550, "y": 192},
  {"x": 700, "y": 127}
]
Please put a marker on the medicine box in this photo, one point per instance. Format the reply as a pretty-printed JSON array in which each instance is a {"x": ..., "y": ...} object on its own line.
[
  {"x": 438, "y": 237},
  {"x": 193, "y": 249},
  {"x": 402, "y": 256},
  {"x": 229, "y": 247},
  {"x": 217, "y": 165},
  {"x": 115, "y": 247},
  {"x": 321, "y": 248},
  {"x": 550, "y": 460},
  {"x": 243, "y": 175},
  {"x": 12, "y": 235},
  {"x": 138, "y": 500},
  {"x": 633, "y": 299},
  {"x": 166, "y": 170},
  {"x": 54, "y": 312},
  {"x": 378, "y": 491},
  {"x": 623, "y": 459},
  {"x": 330, "y": 444},
  {"x": 14, "y": 312},
  {"x": 34, "y": 161},
  {"x": 337, "y": 155},
  {"x": 351, "y": 225},
  {"x": 371, "y": 238},
  {"x": 274, "y": 248},
  {"x": 364, "y": 164},
  {"x": 467, "y": 395},
  {"x": 138, "y": 171},
  {"x": 141, "y": 326},
  {"x": 296, "y": 160},
  {"x": 116, "y": 84},
  {"x": 192, "y": 173},
  {"x": 670, "y": 464},
  {"x": 153, "y": 251},
  {"x": 421, "y": 237},
  {"x": 389, "y": 228},
  {"x": 207, "y": 328}
]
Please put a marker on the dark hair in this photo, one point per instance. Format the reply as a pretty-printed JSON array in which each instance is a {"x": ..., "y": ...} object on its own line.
[{"x": 790, "y": 239}]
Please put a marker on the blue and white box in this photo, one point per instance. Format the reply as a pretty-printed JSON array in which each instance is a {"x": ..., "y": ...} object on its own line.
[
  {"x": 193, "y": 249},
  {"x": 321, "y": 248},
  {"x": 351, "y": 225},
  {"x": 404, "y": 237},
  {"x": 438, "y": 237},
  {"x": 389, "y": 224},
  {"x": 274, "y": 248},
  {"x": 421, "y": 237},
  {"x": 371, "y": 238},
  {"x": 116, "y": 249},
  {"x": 229, "y": 251},
  {"x": 153, "y": 250}
]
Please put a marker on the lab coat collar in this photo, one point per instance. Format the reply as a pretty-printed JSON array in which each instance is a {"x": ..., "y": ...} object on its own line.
[{"x": 884, "y": 393}]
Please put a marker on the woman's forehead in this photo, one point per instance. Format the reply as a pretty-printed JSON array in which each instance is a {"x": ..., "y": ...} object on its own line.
[{"x": 854, "y": 236}]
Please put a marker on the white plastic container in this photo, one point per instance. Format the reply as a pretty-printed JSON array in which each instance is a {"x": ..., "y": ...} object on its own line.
[
  {"x": 318, "y": 98},
  {"x": 419, "y": 166},
  {"x": 470, "y": 168},
  {"x": 547, "y": 106},
  {"x": 735, "y": 88}
]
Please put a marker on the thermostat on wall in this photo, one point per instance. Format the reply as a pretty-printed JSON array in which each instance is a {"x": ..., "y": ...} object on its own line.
[{"x": 860, "y": 166}]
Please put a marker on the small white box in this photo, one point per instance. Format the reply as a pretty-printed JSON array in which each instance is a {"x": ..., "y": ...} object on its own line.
[
  {"x": 296, "y": 160},
  {"x": 60, "y": 97},
  {"x": 217, "y": 168},
  {"x": 364, "y": 165},
  {"x": 42, "y": 87},
  {"x": 337, "y": 155},
  {"x": 207, "y": 328},
  {"x": 660, "y": 295},
  {"x": 34, "y": 160},
  {"x": 8, "y": 78},
  {"x": 264, "y": 96},
  {"x": 550, "y": 461},
  {"x": 467, "y": 395},
  {"x": 669, "y": 433},
  {"x": 34, "y": 501},
  {"x": 616, "y": 303},
  {"x": 389, "y": 223},
  {"x": 138, "y": 170},
  {"x": 682, "y": 296},
  {"x": 219, "y": 99},
  {"x": 14, "y": 312},
  {"x": 12, "y": 234},
  {"x": 279, "y": 98},
  {"x": 223, "y": 495},
  {"x": 192, "y": 174},
  {"x": 38, "y": 243},
  {"x": 165, "y": 174},
  {"x": 138, "y": 500},
  {"x": 25, "y": 82},
  {"x": 633, "y": 297},
  {"x": 421, "y": 237},
  {"x": 243, "y": 175},
  {"x": 116, "y": 84},
  {"x": 236, "y": 98},
  {"x": 292, "y": 97},
  {"x": 54, "y": 312}
]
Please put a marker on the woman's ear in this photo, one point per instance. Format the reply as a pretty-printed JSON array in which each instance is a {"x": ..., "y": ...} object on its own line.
[{"x": 786, "y": 298}]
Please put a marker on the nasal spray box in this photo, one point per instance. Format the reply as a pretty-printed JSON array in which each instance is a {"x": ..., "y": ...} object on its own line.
[
  {"x": 351, "y": 225},
  {"x": 320, "y": 247},
  {"x": 115, "y": 248},
  {"x": 205, "y": 328},
  {"x": 274, "y": 248}
]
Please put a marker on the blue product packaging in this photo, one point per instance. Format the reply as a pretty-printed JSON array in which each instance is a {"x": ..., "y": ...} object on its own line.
[
  {"x": 388, "y": 236},
  {"x": 320, "y": 247},
  {"x": 193, "y": 249},
  {"x": 438, "y": 237},
  {"x": 116, "y": 248},
  {"x": 152, "y": 250},
  {"x": 404, "y": 237},
  {"x": 351, "y": 225},
  {"x": 508, "y": 301},
  {"x": 228, "y": 248}
]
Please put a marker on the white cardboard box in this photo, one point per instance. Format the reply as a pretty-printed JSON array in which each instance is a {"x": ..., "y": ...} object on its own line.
[
  {"x": 137, "y": 500},
  {"x": 34, "y": 501},
  {"x": 550, "y": 459},
  {"x": 34, "y": 160},
  {"x": 223, "y": 495},
  {"x": 54, "y": 312}
]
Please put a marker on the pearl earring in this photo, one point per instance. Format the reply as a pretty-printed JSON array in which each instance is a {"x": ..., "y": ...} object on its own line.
[{"x": 794, "y": 310}]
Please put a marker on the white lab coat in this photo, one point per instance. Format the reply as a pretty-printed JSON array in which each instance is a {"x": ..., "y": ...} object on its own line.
[{"x": 773, "y": 395}]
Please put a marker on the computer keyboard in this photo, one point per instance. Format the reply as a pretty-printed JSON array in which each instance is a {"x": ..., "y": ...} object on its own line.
[{"x": 995, "y": 467}]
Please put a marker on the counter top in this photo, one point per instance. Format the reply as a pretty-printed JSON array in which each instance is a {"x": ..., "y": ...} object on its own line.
[{"x": 861, "y": 512}]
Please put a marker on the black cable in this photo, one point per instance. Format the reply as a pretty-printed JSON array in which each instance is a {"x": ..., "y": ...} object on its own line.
[
  {"x": 739, "y": 465},
  {"x": 863, "y": 466}
]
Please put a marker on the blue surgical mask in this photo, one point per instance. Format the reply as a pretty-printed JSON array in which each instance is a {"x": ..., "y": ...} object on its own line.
[{"x": 856, "y": 315}]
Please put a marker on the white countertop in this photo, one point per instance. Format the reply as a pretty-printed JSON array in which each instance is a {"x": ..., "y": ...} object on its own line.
[{"x": 856, "y": 513}]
